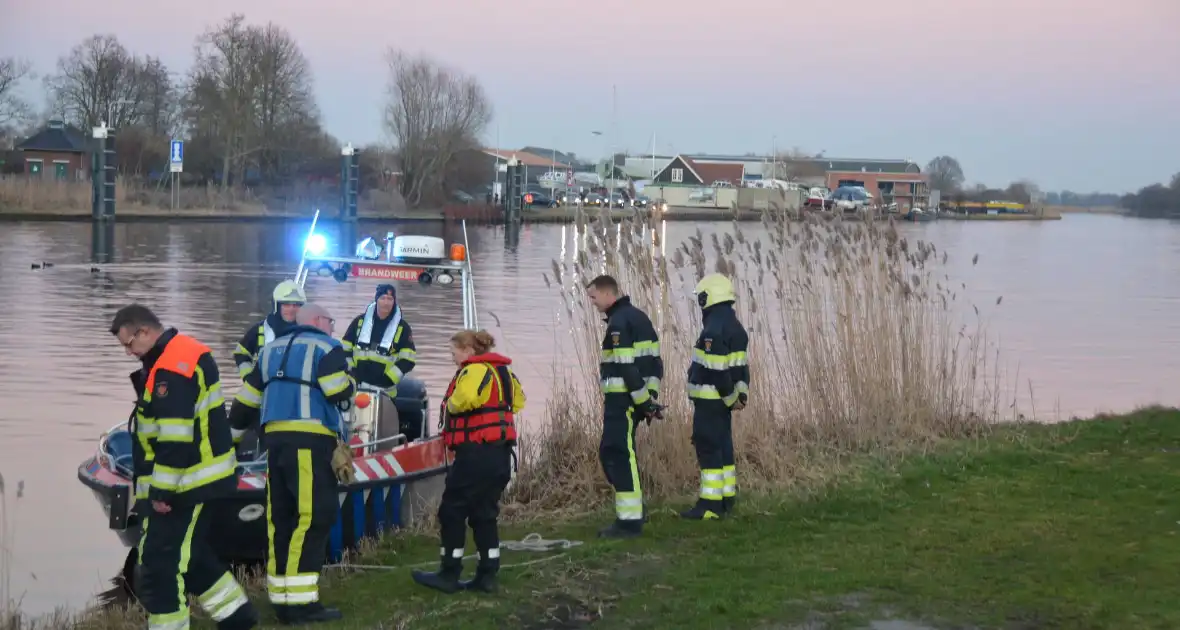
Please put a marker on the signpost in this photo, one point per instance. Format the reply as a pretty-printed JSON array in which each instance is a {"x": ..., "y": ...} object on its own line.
[{"x": 176, "y": 167}]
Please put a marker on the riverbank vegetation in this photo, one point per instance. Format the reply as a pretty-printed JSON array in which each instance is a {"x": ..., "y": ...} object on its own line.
[{"x": 1155, "y": 201}]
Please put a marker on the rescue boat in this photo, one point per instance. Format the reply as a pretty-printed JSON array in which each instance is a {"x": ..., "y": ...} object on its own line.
[{"x": 399, "y": 460}]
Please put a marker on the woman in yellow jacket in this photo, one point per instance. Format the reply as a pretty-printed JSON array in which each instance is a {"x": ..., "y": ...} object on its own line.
[{"x": 479, "y": 426}]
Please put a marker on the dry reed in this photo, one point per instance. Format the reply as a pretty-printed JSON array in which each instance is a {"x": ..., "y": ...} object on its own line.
[
  {"x": 857, "y": 347},
  {"x": 49, "y": 196}
]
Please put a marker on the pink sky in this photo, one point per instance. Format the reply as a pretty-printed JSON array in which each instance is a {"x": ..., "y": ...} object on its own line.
[{"x": 1048, "y": 89}]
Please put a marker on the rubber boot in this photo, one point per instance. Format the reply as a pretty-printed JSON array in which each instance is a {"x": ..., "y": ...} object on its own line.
[
  {"x": 446, "y": 579},
  {"x": 622, "y": 529},
  {"x": 244, "y": 618},
  {"x": 705, "y": 510},
  {"x": 485, "y": 576},
  {"x": 304, "y": 614}
]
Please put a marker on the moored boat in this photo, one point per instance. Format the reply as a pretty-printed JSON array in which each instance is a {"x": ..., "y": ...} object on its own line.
[{"x": 399, "y": 462}]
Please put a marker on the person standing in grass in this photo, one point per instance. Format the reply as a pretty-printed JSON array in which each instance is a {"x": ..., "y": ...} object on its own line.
[
  {"x": 718, "y": 385},
  {"x": 479, "y": 427},
  {"x": 630, "y": 371}
]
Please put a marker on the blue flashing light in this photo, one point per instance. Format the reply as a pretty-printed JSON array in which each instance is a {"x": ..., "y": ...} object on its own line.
[{"x": 316, "y": 244}]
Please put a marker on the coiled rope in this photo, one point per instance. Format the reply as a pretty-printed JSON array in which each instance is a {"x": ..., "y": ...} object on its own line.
[{"x": 533, "y": 542}]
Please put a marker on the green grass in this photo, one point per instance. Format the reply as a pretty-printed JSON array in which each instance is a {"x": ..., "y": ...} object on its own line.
[{"x": 1065, "y": 526}]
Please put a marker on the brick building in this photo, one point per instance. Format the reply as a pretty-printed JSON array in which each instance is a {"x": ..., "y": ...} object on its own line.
[{"x": 59, "y": 151}]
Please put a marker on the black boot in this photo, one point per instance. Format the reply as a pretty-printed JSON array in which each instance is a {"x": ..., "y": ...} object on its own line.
[
  {"x": 485, "y": 576},
  {"x": 244, "y": 618},
  {"x": 728, "y": 504},
  {"x": 705, "y": 510},
  {"x": 446, "y": 579},
  {"x": 622, "y": 529},
  {"x": 304, "y": 614}
]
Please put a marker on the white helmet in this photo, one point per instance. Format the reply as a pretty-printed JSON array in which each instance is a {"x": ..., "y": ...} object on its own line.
[{"x": 287, "y": 292}]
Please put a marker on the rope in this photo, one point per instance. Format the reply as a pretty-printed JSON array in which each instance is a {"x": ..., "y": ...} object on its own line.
[{"x": 533, "y": 542}]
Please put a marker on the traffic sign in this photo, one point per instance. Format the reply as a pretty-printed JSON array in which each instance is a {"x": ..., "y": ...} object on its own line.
[
  {"x": 176, "y": 167},
  {"x": 177, "y": 152}
]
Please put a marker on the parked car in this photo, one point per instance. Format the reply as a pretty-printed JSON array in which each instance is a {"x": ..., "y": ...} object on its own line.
[
  {"x": 641, "y": 201},
  {"x": 659, "y": 205},
  {"x": 618, "y": 200},
  {"x": 538, "y": 201},
  {"x": 594, "y": 199}
]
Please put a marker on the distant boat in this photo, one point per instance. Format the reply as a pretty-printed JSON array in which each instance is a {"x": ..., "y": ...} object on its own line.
[{"x": 918, "y": 215}]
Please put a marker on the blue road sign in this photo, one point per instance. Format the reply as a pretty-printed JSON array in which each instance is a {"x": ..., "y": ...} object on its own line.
[{"x": 177, "y": 151}]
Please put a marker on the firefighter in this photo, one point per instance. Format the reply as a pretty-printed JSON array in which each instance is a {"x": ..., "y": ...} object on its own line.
[
  {"x": 630, "y": 372},
  {"x": 288, "y": 297},
  {"x": 478, "y": 425},
  {"x": 183, "y": 461},
  {"x": 302, "y": 418},
  {"x": 380, "y": 344},
  {"x": 718, "y": 385}
]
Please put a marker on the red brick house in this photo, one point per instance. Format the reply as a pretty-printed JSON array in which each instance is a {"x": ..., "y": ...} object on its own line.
[
  {"x": 905, "y": 189},
  {"x": 58, "y": 151}
]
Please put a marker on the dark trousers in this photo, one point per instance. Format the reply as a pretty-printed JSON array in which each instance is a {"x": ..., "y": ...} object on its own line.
[
  {"x": 712, "y": 437},
  {"x": 175, "y": 559},
  {"x": 619, "y": 463},
  {"x": 475, "y": 481},
  {"x": 301, "y": 507}
]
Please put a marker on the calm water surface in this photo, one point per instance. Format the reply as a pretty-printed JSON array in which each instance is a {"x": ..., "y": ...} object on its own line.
[{"x": 1090, "y": 315}]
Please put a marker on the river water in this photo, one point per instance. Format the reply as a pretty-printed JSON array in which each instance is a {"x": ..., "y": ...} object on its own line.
[{"x": 1090, "y": 316}]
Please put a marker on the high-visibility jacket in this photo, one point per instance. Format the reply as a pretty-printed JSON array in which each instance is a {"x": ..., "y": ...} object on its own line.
[
  {"x": 380, "y": 351},
  {"x": 719, "y": 369},
  {"x": 255, "y": 337},
  {"x": 481, "y": 402},
  {"x": 183, "y": 449},
  {"x": 300, "y": 384},
  {"x": 631, "y": 368}
]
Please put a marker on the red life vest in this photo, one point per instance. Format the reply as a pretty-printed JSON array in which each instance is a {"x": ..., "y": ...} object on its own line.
[{"x": 492, "y": 423}]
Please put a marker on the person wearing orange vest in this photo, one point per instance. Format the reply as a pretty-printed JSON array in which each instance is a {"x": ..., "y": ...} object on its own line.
[
  {"x": 479, "y": 427},
  {"x": 183, "y": 456}
]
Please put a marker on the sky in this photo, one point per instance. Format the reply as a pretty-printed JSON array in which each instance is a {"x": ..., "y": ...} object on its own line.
[{"x": 1074, "y": 94}]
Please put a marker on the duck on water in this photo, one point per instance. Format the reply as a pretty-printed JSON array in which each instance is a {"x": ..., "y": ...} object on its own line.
[{"x": 396, "y": 476}]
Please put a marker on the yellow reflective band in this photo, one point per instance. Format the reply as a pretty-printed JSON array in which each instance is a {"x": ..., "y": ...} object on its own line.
[
  {"x": 730, "y": 487},
  {"x": 712, "y": 483},
  {"x": 170, "y": 621},
  {"x": 223, "y": 599},
  {"x": 333, "y": 384},
  {"x": 405, "y": 354},
  {"x": 209, "y": 400},
  {"x": 185, "y": 479},
  {"x": 718, "y": 361},
  {"x": 299, "y": 426},
  {"x": 249, "y": 396},
  {"x": 302, "y": 588},
  {"x": 618, "y": 355},
  {"x": 393, "y": 373},
  {"x": 174, "y": 430}
]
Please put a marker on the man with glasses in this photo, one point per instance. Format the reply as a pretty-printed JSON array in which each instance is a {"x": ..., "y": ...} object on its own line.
[
  {"x": 183, "y": 459},
  {"x": 298, "y": 393}
]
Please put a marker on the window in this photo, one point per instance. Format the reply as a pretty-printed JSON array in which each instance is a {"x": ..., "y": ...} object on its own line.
[
  {"x": 61, "y": 170},
  {"x": 677, "y": 175}
]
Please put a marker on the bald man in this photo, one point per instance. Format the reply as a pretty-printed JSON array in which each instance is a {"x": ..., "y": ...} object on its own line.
[{"x": 305, "y": 376}]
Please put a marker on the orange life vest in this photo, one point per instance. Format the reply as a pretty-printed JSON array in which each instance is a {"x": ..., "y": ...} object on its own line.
[{"x": 492, "y": 423}]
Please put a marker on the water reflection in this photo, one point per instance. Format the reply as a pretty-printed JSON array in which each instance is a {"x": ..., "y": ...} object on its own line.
[{"x": 102, "y": 241}]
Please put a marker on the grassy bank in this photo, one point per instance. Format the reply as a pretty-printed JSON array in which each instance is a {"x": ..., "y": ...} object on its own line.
[
  {"x": 1071, "y": 525},
  {"x": 1062, "y": 526}
]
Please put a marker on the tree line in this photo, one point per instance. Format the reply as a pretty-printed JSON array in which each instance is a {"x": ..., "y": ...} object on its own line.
[
  {"x": 247, "y": 110},
  {"x": 1155, "y": 201}
]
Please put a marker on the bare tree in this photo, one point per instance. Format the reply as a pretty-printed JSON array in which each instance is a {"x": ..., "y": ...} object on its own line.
[
  {"x": 13, "y": 109},
  {"x": 433, "y": 113},
  {"x": 97, "y": 80},
  {"x": 250, "y": 100},
  {"x": 945, "y": 174}
]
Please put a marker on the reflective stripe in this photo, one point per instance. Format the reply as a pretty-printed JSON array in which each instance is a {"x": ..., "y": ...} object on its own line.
[
  {"x": 709, "y": 392},
  {"x": 629, "y": 506},
  {"x": 299, "y": 426},
  {"x": 210, "y": 399},
  {"x": 223, "y": 599},
  {"x": 306, "y": 370},
  {"x": 249, "y": 396},
  {"x": 276, "y": 585},
  {"x": 169, "y": 621},
  {"x": 492, "y": 553},
  {"x": 142, "y": 486},
  {"x": 712, "y": 483},
  {"x": 365, "y": 336},
  {"x": 730, "y": 487},
  {"x": 184, "y": 479},
  {"x": 334, "y": 384},
  {"x": 616, "y": 385},
  {"x": 174, "y": 430},
  {"x": 303, "y": 588}
]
